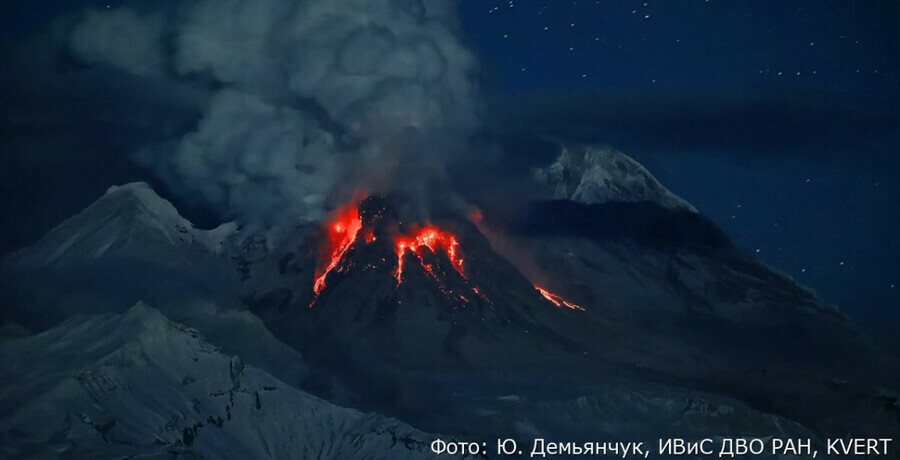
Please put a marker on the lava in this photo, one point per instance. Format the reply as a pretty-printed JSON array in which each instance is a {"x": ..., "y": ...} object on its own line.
[
  {"x": 557, "y": 300},
  {"x": 475, "y": 215},
  {"x": 342, "y": 231},
  {"x": 434, "y": 239}
]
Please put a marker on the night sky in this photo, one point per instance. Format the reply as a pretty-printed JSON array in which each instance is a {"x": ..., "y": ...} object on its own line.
[
  {"x": 688, "y": 45},
  {"x": 777, "y": 119},
  {"x": 780, "y": 120}
]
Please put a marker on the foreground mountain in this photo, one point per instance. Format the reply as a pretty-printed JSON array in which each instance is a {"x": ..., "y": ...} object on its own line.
[{"x": 138, "y": 385}]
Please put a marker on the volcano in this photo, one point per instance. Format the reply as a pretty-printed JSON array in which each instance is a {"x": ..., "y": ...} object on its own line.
[
  {"x": 610, "y": 308},
  {"x": 415, "y": 295},
  {"x": 430, "y": 248},
  {"x": 575, "y": 291}
]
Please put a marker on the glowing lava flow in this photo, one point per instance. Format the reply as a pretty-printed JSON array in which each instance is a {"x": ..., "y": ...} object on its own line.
[
  {"x": 433, "y": 238},
  {"x": 343, "y": 232},
  {"x": 343, "y": 229},
  {"x": 557, "y": 300}
]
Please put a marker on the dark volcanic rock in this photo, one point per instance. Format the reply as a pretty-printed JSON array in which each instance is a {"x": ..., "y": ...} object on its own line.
[{"x": 435, "y": 318}]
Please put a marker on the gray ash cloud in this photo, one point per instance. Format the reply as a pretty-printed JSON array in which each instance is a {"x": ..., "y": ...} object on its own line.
[{"x": 309, "y": 99}]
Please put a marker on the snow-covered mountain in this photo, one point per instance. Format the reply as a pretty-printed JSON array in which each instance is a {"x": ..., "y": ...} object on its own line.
[
  {"x": 131, "y": 221},
  {"x": 137, "y": 384},
  {"x": 593, "y": 174},
  {"x": 132, "y": 245},
  {"x": 127, "y": 246}
]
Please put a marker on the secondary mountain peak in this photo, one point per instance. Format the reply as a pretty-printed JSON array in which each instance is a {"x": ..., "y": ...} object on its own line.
[{"x": 592, "y": 174}]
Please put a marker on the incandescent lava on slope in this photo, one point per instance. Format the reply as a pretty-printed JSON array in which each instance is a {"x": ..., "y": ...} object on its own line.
[
  {"x": 342, "y": 231},
  {"x": 435, "y": 240},
  {"x": 362, "y": 222},
  {"x": 557, "y": 300}
]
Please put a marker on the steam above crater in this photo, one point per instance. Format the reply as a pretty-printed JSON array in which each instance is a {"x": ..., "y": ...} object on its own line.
[{"x": 307, "y": 99}]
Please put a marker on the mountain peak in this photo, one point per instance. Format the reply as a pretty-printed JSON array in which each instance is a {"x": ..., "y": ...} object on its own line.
[
  {"x": 146, "y": 318},
  {"x": 593, "y": 174},
  {"x": 147, "y": 199},
  {"x": 141, "y": 309},
  {"x": 129, "y": 220}
]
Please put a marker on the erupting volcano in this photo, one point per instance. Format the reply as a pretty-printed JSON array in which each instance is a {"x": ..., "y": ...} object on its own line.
[{"x": 429, "y": 244}]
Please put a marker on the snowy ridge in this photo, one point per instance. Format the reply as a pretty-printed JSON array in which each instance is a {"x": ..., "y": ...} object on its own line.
[
  {"x": 133, "y": 245},
  {"x": 138, "y": 384},
  {"x": 128, "y": 220},
  {"x": 598, "y": 174}
]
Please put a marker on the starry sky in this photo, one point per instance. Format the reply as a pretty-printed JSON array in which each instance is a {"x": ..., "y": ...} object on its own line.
[
  {"x": 711, "y": 44},
  {"x": 778, "y": 119}
]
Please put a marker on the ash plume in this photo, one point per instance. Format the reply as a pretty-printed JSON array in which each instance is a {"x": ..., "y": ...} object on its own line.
[{"x": 309, "y": 100}]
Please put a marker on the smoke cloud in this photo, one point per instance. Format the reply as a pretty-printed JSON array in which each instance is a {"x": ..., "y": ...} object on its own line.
[{"x": 311, "y": 98}]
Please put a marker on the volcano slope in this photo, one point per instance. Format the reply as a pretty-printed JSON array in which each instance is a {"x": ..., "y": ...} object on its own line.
[
  {"x": 670, "y": 276},
  {"x": 405, "y": 297},
  {"x": 428, "y": 322}
]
